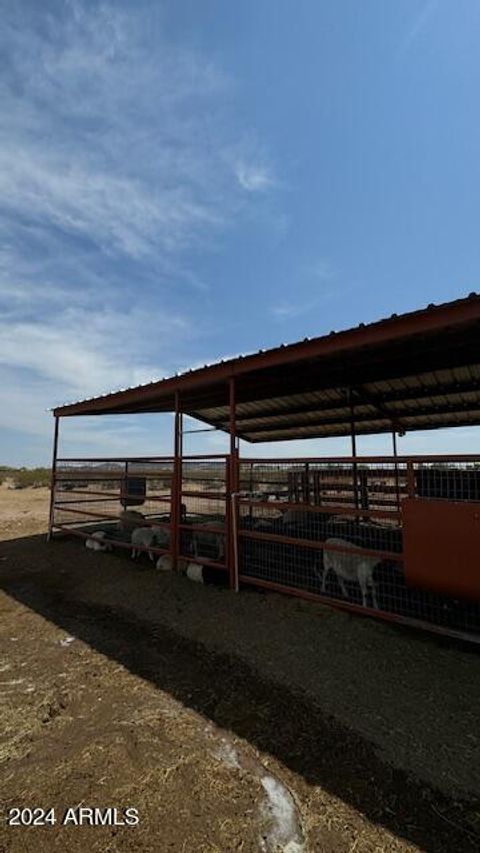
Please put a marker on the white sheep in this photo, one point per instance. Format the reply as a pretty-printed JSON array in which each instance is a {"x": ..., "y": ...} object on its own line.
[
  {"x": 145, "y": 538},
  {"x": 193, "y": 571},
  {"x": 94, "y": 542},
  {"x": 164, "y": 563},
  {"x": 350, "y": 567},
  {"x": 263, "y": 525},
  {"x": 208, "y": 542},
  {"x": 162, "y": 536}
]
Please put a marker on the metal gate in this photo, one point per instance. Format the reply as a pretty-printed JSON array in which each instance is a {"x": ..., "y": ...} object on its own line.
[
  {"x": 185, "y": 500},
  {"x": 90, "y": 495}
]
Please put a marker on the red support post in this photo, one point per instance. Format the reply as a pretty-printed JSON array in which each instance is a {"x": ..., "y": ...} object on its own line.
[
  {"x": 176, "y": 501},
  {"x": 233, "y": 484},
  {"x": 53, "y": 479},
  {"x": 410, "y": 479},
  {"x": 354, "y": 450},
  {"x": 395, "y": 455}
]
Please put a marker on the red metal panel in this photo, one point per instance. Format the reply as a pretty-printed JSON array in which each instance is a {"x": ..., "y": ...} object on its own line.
[
  {"x": 176, "y": 505},
  {"x": 233, "y": 478},
  {"x": 53, "y": 479},
  {"x": 441, "y": 542}
]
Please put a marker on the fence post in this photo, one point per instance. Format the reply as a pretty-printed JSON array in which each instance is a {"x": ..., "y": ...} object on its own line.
[
  {"x": 235, "y": 539},
  {"x": 410, "y": 479},
  {"x": 364, "y": 496},
  {"x": 397, "y": 481},
  {"x": 53, "y": 479},
  {"x": 233, "y": 484},
  {"x": 124, "y": 487},
  {"x": 306, "y": 487},
  {"x": 176, "y": 497},
  {"x": 353, "y": 440}
]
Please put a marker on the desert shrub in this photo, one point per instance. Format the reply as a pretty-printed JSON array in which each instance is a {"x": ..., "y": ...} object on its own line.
[{"x": 25, "y": 477}]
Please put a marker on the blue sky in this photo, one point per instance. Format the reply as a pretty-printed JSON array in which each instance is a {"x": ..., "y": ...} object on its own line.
[{"x": 186, "y": 180}]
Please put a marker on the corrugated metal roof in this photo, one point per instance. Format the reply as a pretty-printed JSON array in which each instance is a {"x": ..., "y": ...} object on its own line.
[{"x": 416, "y": 371}]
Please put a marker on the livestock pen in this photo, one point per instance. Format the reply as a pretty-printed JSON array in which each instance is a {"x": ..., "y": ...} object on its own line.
[{"x": 393, "y": 536}]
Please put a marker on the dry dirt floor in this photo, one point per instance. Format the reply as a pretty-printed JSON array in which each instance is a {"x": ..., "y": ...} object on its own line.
[{"x": 246, "y": 723}]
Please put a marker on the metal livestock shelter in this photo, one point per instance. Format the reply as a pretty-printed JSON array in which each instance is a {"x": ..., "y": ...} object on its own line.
[{"x": 413, "y": 521}]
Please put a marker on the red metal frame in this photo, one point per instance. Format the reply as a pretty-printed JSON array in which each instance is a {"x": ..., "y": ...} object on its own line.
[
  {"x": 233, "y": 482},
  {"x": 434, "y": 319},
  {"x": 52, "y": 478},
  {"x": 113, "y": 495},
  {"x": 446, "y": 337},
  {"x": 349, "y": 460},
  {"x": 326, "y": 509},
  {"x": 176, "y": 506}
]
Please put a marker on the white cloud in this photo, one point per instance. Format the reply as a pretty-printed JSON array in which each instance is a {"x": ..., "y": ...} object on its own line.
[
  {"x": 109, "y": 133},
  {"x": 418, "y": 25},
  {"x": 303, "y": 304},
  {"x": 116, "y": 165},
  {"x": 322, "y": 269},
  {"x": 115, "y": 212},
  {"x": 86, "y": 351},
  {"x": 287, "y": 310},
  {"x": 253, "y": 177}
]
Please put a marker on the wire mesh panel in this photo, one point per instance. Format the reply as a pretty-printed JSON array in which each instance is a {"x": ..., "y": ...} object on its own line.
[
  {"x": 115, "y": 496},
  {"x": 333, "y": 529},
  {"x": 204, "y": 527},
  {"x": 452, "y": 479}
]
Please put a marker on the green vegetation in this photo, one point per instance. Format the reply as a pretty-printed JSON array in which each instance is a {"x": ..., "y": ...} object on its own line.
[{"x": 21, "y": 478}]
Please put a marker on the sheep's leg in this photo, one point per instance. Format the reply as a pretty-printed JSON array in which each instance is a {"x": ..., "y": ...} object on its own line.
[
  {"x": 318, "y": 568},
  {"x": 374, "y": 596},
  {"x": 342, "y": 586},
  {"x": 134, "y": 553},
  {"x": 365, "y": 580},
  {"x": 324, "y": 579}
]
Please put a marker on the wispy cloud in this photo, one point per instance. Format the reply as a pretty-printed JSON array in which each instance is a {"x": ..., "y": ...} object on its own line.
[
  {"x": 112, "y": 211},
  {"x": 86, "y": 351},
  {"x": 418, "y": 25},
  {"x": 322, "y": 269},
  {"x": 285, "y": 310},
  {"x": 102, "y": 139},
  {"x": 315, "y": 286},
  {"x": 109, "y": 185},
  {"x": 250, "y": 165},
  {"x": 288, "y": 310},
  {"x": 253, "y": 177}
]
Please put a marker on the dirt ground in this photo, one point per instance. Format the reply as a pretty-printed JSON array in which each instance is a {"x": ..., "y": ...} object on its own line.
[{"x": 252, "y": 722}]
